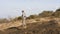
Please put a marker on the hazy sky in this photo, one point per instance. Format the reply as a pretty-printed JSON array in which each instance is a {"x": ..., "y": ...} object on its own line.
[{"x": 12, "y": 8}]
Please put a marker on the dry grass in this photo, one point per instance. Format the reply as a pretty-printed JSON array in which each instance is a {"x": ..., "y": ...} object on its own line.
[
  {"x": 45, "y": 26},
  {"x": 50, "y": 27}
]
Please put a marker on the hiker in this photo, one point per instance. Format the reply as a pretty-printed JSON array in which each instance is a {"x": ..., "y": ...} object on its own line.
[{"x": 23, "y": 19}]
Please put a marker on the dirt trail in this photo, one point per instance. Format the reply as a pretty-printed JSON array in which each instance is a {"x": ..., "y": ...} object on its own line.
[{"x": 7, "y": 25}]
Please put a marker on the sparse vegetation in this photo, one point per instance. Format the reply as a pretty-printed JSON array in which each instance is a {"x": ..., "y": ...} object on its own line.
[
  {"x": 45, "y": 27},
  {"x": 50, "y": 27},
  {"x": 4, "y": 21},
  {"x": 43, "y": 14},
  {"x": 32, "y": 17},
  {"x": 46, "y": 14}
]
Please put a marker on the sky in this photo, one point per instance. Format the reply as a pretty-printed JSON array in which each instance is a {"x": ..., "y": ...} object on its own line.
[{"x": 13, "y": 8}]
